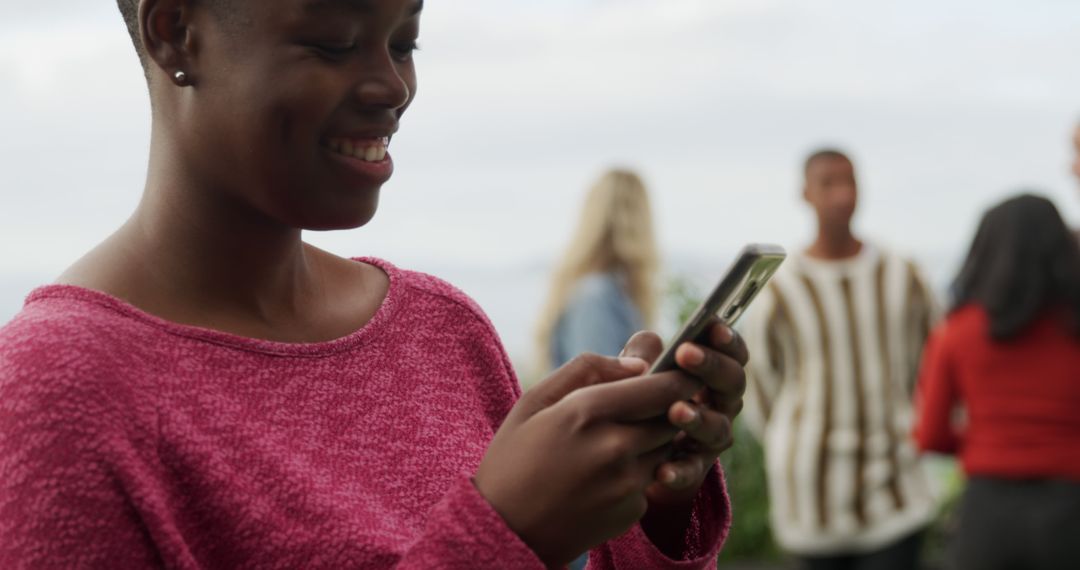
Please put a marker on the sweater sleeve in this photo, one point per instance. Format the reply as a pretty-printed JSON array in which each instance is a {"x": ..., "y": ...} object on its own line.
[
  {"x": 710, "y": 522},
  {"x": 922, "y": 313},
  {"x": 464, "y": 530},
  {"x": 937, "y": 397},
  {"x": 63, "y": 493},
  {"x": 768, "y": 332}
]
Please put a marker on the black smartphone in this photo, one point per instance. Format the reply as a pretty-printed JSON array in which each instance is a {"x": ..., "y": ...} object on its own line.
[{"x": 746, "y": 277}]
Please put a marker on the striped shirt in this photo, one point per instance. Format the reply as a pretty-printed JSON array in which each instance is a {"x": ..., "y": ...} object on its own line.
[{"x": 836, "y": 347}]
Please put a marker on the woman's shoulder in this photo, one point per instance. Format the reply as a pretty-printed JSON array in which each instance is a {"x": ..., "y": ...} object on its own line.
[
  {"x": 596, "y": 286},
  {"x": 423, "y": 304},
  {"x": 62, "y": 345},
  {"x": 966, "y": 322},
  {"x": 431, "y": 309},
  {"x": 967, "y": 316},
  {"x": 431, "y": 293},
  {"x": 58, "y": 319}
]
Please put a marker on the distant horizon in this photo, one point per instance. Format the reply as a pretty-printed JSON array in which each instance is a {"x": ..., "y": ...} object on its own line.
[{"x": 512, "y": 294}]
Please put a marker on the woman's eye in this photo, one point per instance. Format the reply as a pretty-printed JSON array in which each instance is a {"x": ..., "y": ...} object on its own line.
[
  {"x": 334, "y": 49},
  {"x": 404, "y": 51}
]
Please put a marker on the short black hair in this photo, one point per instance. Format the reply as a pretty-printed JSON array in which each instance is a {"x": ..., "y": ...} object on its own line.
[
  {"x": 1024, "y": 261},
  {"x": 821, "y": 154},
  {"x": 129, "y": 9}
]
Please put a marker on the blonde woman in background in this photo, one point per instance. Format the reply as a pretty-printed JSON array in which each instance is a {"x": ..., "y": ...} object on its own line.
[{"x": 603, "y": 290}]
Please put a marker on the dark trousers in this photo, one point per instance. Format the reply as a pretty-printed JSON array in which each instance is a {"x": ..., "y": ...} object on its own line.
[
  {"x": 1022, "y": 525},
  {"x": 903, "y": 555}
]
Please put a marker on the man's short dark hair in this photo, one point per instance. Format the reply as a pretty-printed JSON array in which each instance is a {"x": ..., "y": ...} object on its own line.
[{"x": 821, "y": 154}]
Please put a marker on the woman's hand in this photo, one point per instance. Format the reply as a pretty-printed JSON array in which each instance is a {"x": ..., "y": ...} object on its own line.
[
  {"x": 705, "y": 422},
  {"x": 570, "y": 467},
  {"x": 596, "y": 447}
]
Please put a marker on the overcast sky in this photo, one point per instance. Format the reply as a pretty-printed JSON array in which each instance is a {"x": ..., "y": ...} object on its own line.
[{"x": 946, "y": 106}]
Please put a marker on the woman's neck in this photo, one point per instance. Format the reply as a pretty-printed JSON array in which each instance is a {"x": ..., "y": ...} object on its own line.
[
  {"x": 226, "y": 254},
  {"x": 196, "y": 254}
]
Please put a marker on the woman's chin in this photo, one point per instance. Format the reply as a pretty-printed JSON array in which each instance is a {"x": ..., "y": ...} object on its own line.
[
  {"x": 345, "y": 217},
  {"x": 340, "y": 223}
]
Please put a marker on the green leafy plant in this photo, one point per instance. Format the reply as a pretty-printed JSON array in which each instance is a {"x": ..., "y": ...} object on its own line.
[{"x": 744, "y": 466}]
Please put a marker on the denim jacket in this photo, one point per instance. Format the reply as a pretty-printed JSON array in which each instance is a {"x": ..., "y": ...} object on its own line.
[{"x": 599, "y": 317}]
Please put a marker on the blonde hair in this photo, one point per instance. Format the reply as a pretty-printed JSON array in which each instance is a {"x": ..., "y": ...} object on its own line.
[{"x": 614, "y": 235}]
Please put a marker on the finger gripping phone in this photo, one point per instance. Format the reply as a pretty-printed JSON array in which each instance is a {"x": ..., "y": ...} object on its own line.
[{"x": 746, "y": 277}]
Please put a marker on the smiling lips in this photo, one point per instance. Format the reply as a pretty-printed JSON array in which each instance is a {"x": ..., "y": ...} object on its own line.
[{"x": 366, "y": 149}]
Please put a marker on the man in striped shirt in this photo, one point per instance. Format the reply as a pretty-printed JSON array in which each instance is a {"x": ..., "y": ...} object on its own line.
[{"x": 837, "y": 339}]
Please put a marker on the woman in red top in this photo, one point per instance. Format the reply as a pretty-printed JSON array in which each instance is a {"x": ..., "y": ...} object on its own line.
[{"x": 1009, "y": 354}]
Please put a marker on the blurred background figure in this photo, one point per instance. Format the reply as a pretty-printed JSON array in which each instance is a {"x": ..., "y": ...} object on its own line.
[
  {"x": 836, "y": 340},
  {"x": 1009, "y": 355},
  {"x": 603, "y": 290},
  {"x": 1076, "y": 160},
  {"x": 1076, "y": 150}
]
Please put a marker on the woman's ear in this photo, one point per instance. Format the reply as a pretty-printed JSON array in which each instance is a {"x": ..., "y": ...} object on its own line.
[{"x": 167, "y": 38}]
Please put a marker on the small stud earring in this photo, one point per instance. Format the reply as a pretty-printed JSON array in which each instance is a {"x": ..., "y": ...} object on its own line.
[{"x": 181, "y": 77}]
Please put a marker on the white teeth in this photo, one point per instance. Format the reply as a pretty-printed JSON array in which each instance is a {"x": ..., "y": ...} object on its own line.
[{"x": 366, "y": 150}]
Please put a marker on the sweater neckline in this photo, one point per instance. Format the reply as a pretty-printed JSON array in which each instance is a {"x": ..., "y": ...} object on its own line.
[
  {"x": 866, "y": 256},
  {"x": 379, "y": 321}
]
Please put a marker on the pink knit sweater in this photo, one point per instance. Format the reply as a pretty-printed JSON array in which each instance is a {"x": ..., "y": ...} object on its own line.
[{"x": 127, "y": 441}]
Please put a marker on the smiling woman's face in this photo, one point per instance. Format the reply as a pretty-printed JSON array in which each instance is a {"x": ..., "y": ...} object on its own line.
[{"x": 294, "y": 102}]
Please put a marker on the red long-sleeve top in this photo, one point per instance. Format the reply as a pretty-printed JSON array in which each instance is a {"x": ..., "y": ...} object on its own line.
[{"x": 1021, "y": 398}]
